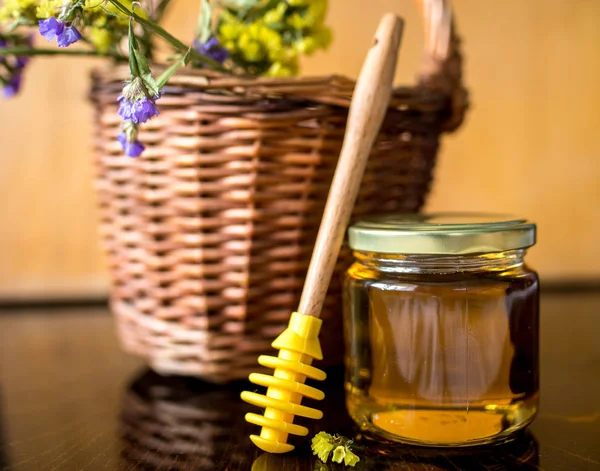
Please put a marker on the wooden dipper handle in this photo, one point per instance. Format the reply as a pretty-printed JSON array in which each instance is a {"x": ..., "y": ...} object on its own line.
[{"x": 368, "y": 108}]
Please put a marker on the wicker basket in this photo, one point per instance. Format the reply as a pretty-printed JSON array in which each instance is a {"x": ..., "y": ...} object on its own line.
[{"x": 209, "y": 233}]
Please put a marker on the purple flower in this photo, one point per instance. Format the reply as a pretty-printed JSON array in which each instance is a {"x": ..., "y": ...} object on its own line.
[
  {"x": 129, "y": 139},
  {"x": 135, "y": 103},
  {"x": 69, "y": 36},
  {"x": 212, "y": 49},
  {"x": 14, "y": 65},
  {"x": 13, "y": 86},
  {"x": 21, "y": 61},
  {"x": 56, "y": 29},
  {"x": 51, "y": 28},
  {"x": 138, "y": 111},
  {"x": 131, "y": 148}
]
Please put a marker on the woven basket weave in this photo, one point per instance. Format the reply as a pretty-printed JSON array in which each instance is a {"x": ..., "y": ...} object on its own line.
[{"x": 209, "y": 233}]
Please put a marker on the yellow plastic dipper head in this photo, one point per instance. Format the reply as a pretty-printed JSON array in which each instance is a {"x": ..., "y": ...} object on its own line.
[{"x": 299, "y": 344}]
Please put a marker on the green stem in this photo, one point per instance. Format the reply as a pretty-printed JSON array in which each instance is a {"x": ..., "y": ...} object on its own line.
[
  {"x": 176, "y": 43},
  {"x": 168, "y": 73},
  {"x": 29, "y": 51}
]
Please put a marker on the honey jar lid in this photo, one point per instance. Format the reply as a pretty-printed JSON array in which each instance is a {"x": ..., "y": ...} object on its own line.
[{"x": 442, "y": 233}]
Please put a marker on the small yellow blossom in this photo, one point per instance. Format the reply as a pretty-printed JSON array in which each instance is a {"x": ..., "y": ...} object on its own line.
[
  {"x": 258, "y": 41},
  {"x": 313, "y": 16},
  {"x": 322, "y": 36},
  {"x": 272, "y": 44},
  {"x": 48, "y": 8},
  {"x": 108, "y": 10},
  {"x": 323, "y": 444},
  {"x": 276, "y": 14},
  {"x": 278, "y": 69},
  {"x": 231, "y": 46},
  {"x": 100, "y": 38},
  {"x": 230, "y": 31},
  {"x": 284, "y": 54},
  {"x": 296, "y": 21},
  {"x": 269, "y": 38},
  {"x": 307, "y": 45},
  {"x": 250, "y": 48},
  {"x": 14, "y": 9},
  {"x": 316, "y": 12}
]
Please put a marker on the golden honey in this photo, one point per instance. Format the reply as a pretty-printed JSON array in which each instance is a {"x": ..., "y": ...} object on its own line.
[{"x": 441, "y": 348}]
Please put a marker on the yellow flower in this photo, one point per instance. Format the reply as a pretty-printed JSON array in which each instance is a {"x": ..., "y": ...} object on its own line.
[
  {"x": 322, "y": 36},
  {"x": 307, "y": 45},
  {"x": 231, "y": 46},
  {"x": 15, "y": 8},
  {"x": 253, "y": 29},
  {"x": 252, "y": 51},
  {"x": 250, "y": 48},
  {"x": 313, "y": 16},
  {"x": 275, "y": 15},
  {"x": 274, "y": 42},
  {"x": 316, "y": 12},
  {"x": 269, "y": 38},
  {"x": 279, "y": 69},
  {"x": 284, "y": 54},
  {"x": 98, "y": 7},
  {"x": 230, "y": 31},
  {"x": 24, "y": 4},
  {"x": 296, "y": 21},
  {"x": 101, "y": 38},
  {"x": 47, "y": 8},
  {"x": 258, "y": 41}
]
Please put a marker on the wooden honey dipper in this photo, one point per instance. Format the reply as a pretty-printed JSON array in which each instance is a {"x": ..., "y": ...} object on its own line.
[{"x": 299, "y": 344}]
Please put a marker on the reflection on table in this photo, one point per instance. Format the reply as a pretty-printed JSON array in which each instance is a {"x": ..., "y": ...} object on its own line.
[
  {"x": 181, "y": 423},
  {"x": 3, "y": 451}
]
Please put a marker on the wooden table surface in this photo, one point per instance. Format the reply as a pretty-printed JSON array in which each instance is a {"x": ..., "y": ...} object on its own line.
[{"x": 70, "y": 400}]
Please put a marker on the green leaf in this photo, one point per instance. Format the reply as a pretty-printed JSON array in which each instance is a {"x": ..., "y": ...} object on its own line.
[
  {"x": 167, "y": 74},
  {"x": 132, "y": 42},
  {"x": 172, "y": 40},
  {"x": 322, "y": 444},
  {"x": 146, "y": 74},
  {"x": 350, "y": 459},
  {"x": 204, "y": 24},
  {"x": 138, "y": 64},
  {"x": 338, "y": 454}
]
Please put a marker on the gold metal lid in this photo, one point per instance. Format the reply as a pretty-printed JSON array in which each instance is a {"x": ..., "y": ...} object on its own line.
[{"x": 441, "y": 233}]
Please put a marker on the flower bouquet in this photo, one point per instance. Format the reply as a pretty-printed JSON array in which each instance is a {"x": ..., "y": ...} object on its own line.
[
  {"x": 253, "y": 37},
  {"x": 209, "y": 228}
]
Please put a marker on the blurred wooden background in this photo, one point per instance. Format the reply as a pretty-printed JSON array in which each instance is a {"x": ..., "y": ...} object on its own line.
[{"x": 530, "y": 144}]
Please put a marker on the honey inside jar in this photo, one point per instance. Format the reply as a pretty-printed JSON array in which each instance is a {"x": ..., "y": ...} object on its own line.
[{"x": 441, "y": 349}]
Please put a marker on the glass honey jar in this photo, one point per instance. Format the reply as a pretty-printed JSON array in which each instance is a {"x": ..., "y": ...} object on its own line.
[{"x": 441, "y": 327}]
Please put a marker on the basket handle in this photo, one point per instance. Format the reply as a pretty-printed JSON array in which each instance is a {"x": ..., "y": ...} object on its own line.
[{"x": 442, "y": 65}]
